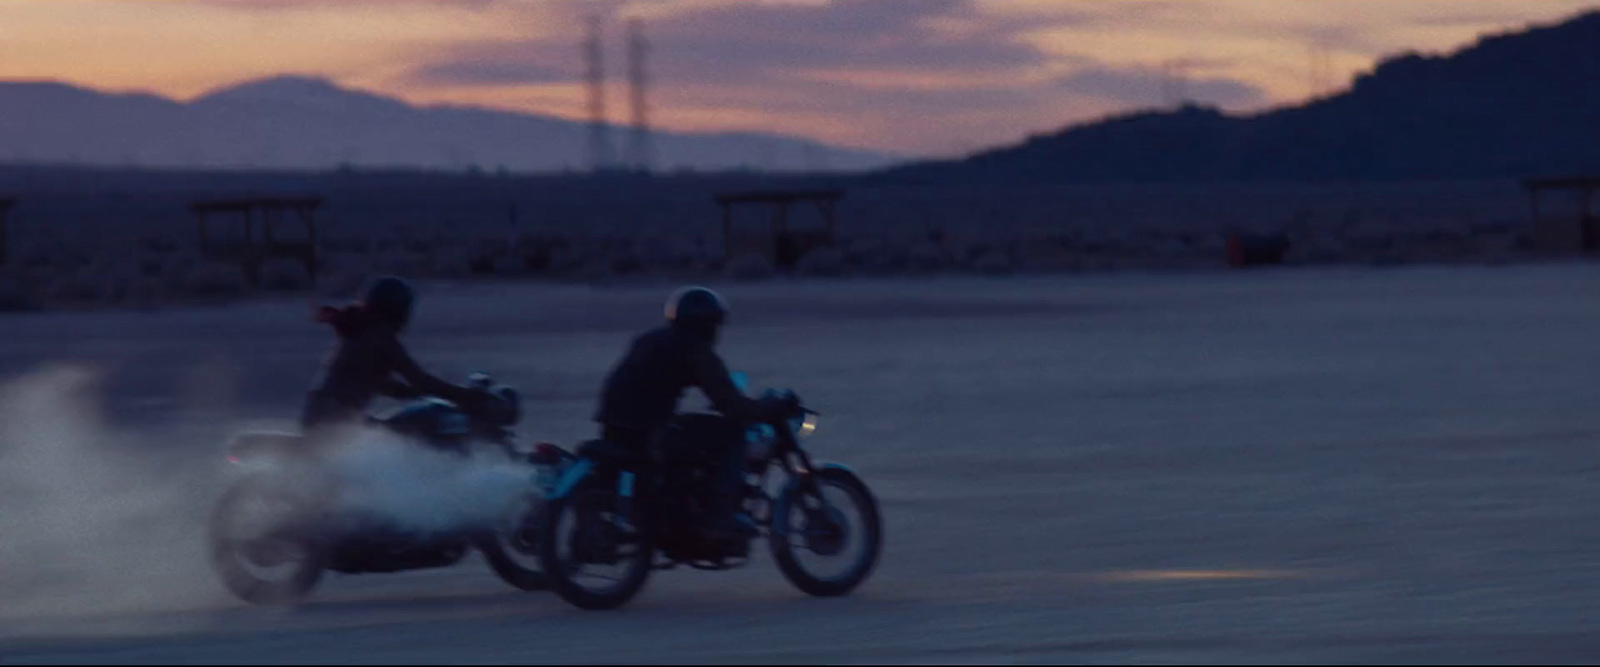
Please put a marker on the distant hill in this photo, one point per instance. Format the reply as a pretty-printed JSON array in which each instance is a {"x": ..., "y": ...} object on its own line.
[
  {"x": 1509, "y": 106},
  {"x": 292, "y": 122}
]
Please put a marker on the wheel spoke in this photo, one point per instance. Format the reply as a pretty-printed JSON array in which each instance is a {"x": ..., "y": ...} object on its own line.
[
  {"x": 829, "y": 540},
  {"x": 588, "y": 531}
]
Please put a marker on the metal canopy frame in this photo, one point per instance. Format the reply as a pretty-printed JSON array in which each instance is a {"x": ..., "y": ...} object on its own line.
[
  {"x": 250, "y": 254},
  {"x": 780, "y": 200}
]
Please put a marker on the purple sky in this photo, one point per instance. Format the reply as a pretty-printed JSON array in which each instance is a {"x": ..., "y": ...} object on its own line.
[{"x": 911, "y": 76}]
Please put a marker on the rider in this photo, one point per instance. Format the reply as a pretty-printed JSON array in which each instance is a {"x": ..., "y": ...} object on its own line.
[
  {"x": 368, "y": 358},
  {"x": 641, "y": 397}
]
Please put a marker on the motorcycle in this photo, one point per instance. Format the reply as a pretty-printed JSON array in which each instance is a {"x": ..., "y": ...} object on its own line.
[
  {"x": 615, "y": 507},
  {"x": 306, "y": 532}
]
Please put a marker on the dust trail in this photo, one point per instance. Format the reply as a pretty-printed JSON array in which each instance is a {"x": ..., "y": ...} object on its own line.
[
  {"x": 97, "y": 521},
  {"x": 90, "y": 520},
  {"x": 425, "y": 490}
]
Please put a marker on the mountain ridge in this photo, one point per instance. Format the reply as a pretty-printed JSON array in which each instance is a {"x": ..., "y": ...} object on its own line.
[
  {"x": 1510, "y": 104},
  {"x": 294, "y": 121}
]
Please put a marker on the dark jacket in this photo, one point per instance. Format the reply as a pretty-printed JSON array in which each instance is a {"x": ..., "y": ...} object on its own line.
[
  {"x": 643, "y": 390},
  {"x": 369, "y": 361}
]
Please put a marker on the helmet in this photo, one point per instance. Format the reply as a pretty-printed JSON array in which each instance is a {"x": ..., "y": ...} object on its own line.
[
  {"x": 390, "y": 300},
  {"x": 696, "y": 307}
]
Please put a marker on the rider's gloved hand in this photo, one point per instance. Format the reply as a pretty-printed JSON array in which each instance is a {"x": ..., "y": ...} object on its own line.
[
  {"x": 776, "y": 405},
  {"x": 403, "y": 391},
  {"x": 474, "y": 399},
  {"x": 484, "y": 403}
]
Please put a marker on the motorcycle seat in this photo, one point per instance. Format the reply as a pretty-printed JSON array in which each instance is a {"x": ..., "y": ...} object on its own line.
[{"x": 611, "y": 454}]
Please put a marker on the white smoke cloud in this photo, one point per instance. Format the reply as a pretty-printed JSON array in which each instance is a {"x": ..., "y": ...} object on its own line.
[
  {"x": 91, "y": 521},
  {"x": 97, "y": 521},
  {"x": 426, "y": 490}
]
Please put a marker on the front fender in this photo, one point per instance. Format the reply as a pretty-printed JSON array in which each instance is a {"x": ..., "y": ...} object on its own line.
[{"x": 570, "y": 478}]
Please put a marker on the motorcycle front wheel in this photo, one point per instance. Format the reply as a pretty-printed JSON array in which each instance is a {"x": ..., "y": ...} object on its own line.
[
  {"x": 585, "y": 532},
  {"x": 813, "y": 529}
]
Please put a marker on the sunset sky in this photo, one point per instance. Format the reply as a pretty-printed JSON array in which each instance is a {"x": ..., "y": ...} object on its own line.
[{"x": 924, "y": 77}]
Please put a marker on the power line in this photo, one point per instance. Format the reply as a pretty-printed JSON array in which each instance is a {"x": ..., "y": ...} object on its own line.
[
  {"x": 639, "y": 86},
  {"x": 599, "y": 131}
]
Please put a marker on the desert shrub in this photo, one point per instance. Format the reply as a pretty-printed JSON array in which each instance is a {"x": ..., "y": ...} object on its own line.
[
  {"x": 994, "y": 261},
  {"x": 822, "y": 262},
  {"x": 285, "y": 276},
  {"x": 215, "y": 280},
  {"x": 750, "y": 267}
]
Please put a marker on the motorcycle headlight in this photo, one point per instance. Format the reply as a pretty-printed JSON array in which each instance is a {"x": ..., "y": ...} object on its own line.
[{"x": 807, "y": 425}]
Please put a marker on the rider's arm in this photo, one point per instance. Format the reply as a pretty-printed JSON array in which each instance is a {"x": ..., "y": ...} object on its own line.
[
  {"x": 420, "y": 381},
  {"x": 393, "y": 388},
  {"x": 711, "y": 375}
]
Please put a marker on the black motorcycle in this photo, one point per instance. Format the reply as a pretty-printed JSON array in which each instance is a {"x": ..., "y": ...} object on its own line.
[
  {"x": 621, "y": 509},
  {"x": 304, "y": 532}
]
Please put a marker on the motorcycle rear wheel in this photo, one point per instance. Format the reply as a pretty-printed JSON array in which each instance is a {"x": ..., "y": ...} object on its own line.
[
  {"x": 595, "y": 535},
  {"x": 231, "y": 557}
]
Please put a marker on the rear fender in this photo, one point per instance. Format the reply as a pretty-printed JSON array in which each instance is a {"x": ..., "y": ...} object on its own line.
[{"x": 570, "y": 478}]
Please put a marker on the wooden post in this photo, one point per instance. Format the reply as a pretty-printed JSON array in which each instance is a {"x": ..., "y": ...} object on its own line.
[
  {"x": 308, "y": 213},
  {"x": 200, "y": 218},
  {"x": 1585, "y": 220},
  {"x": 269, "y": 218},
  {"x": 780, "y": 232},
  {"x": 5, "y": 208},
  {"x": 252, "y": 261},
  {"x": 825, "y": 207},
  {"x": 727, "y": 231}
]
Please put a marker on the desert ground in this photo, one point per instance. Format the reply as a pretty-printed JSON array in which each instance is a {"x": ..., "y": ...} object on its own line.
[{"x": 1260, "y": 467}]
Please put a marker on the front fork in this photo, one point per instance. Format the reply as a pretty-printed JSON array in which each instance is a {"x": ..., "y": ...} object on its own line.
[
  {"x": 625, "y": 497},
  {"x": 803, "y": 485},
  {"x": 798, "y": 463}
]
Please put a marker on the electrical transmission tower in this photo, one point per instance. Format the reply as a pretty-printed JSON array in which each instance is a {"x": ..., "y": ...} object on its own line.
[
  {"x": 639, "y": 87},
  {"x": 599, "y": 131}
]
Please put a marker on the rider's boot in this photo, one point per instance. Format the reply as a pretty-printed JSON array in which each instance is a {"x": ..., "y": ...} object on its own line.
[{"x": 730, "y": 523}]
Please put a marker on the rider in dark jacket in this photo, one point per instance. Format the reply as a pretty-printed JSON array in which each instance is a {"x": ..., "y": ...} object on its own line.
[
  {"x": 641, "y": 396},
  {"x": 370, "y": 360}
]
